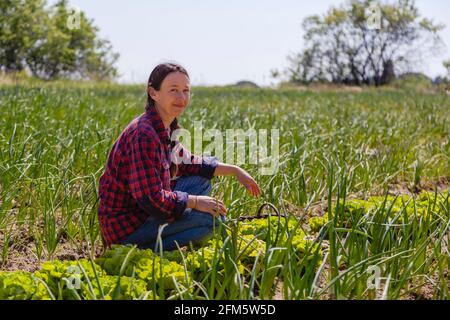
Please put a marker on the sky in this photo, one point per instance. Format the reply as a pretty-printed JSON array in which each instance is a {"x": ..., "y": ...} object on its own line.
[{"x": 220, "y": 42}]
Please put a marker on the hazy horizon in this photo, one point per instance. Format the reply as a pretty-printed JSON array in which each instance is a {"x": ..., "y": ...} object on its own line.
[{"x": 220, "y": 43}]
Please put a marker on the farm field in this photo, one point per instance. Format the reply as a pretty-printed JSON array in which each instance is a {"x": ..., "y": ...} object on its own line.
[{"x": 362, "y": 187}]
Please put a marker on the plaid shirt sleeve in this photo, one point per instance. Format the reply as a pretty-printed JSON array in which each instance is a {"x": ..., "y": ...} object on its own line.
[
  {"x": 195, "y": 165},
  {"x": 145, "y": 183}
]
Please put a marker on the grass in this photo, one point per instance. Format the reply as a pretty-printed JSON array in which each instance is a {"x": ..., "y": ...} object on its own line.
[{"x": 55, "y": 138}]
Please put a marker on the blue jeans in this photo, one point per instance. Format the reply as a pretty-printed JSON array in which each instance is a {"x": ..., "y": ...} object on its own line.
[{"x": 193, "y": 226}]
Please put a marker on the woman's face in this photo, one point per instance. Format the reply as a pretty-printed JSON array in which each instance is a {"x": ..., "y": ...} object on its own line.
[{"x": 173, "y": 96}]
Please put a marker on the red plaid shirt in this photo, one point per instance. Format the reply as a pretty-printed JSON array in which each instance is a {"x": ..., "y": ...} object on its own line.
[{"x": 136, "y": 182}]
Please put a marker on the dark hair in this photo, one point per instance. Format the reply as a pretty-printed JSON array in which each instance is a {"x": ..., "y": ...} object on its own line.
[{"x": 159, "y": 73}]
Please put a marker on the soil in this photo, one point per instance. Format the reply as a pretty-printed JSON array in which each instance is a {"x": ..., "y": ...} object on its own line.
[{"x": 22, "y": 252}]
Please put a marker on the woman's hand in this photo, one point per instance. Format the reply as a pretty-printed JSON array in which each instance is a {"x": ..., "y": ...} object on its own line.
[
  {"x": 248, "y": 182},
  {"x": 243, "y": 177},
  {"x": 207, "y": 204}
]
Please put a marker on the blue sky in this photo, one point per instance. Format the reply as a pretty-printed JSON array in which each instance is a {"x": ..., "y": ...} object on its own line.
[{"x": 220, "y": 42}]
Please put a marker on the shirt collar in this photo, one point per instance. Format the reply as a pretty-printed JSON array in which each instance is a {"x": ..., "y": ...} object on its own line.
[{"x": 157, "y": 123}]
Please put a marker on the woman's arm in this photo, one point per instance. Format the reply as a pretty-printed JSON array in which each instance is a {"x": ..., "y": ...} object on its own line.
[
  {"x": 190, "y": 164},
  {"x": 243, "y": 177},
  {"x": 224, "y": 169},
  {"x": 215, "y": 206}
]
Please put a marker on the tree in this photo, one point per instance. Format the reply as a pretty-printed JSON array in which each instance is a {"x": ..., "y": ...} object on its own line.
[
  {"x": 21, "y": 28},
  {"x": 343, "y": 47},
  {"x": 47, "y": 45}
]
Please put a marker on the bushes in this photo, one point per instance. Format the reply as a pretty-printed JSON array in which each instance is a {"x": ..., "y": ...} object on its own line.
[{"x": 144, "y": 265}]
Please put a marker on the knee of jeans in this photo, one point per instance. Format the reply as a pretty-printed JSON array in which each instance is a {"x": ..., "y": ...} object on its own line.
[
  {"x": 206, "y": 186},
  {"x": 212, "y": 222},
  {"x": 213, "y": 229}
]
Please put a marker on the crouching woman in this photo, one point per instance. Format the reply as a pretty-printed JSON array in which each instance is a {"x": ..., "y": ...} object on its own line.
[{"x": 141, "y": 187}]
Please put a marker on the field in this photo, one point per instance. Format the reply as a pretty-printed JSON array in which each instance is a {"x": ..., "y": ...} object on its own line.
[{"x": 363, "y": 182}]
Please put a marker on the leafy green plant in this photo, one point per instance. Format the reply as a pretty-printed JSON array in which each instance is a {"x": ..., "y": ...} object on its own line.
[
  {"x": 143, "y": 264},
  {"x": 21, "y": 285}
]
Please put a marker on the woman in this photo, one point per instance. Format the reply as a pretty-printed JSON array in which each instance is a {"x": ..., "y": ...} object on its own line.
[{"x": 142, "y": 189}]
